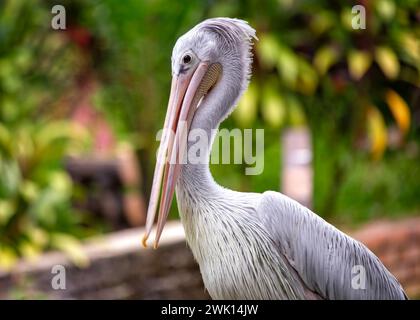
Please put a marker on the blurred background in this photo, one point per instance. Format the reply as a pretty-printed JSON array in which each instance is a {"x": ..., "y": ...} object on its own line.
[{"x": 80, "y": 109}]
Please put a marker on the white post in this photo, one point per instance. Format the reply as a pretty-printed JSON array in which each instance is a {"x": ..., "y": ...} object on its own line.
[{"x": 297, "y": 165}]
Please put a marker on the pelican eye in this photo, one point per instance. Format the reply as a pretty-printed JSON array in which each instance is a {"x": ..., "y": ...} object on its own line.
[{"x": 186, "y": 59}]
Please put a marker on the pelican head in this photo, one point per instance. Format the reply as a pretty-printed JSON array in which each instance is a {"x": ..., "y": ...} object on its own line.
[{"x": 212, "y": 61}]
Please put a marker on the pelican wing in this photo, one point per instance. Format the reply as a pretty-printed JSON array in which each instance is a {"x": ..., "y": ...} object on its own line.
[{"x": 330, "y": 263}]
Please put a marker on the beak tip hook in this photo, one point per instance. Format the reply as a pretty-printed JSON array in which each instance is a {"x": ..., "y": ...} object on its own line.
[
  {"x": 155, "y": 245},
  {"x": 144, "y": 241}
]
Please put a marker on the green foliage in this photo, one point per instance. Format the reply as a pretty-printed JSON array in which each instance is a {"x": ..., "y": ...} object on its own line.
[
  {"x": 35, "y": 191},
  {"x": 36, "y": 67},
  {"x": 389, "y": 188}
]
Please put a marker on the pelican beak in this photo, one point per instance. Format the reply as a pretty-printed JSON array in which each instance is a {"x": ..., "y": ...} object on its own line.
[{"x": 187, "y": 89}]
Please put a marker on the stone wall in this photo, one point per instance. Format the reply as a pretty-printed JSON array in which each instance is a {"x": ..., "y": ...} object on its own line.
[
  {"x": 397, "y": 244},
  {"x": 121, "y": 269}
]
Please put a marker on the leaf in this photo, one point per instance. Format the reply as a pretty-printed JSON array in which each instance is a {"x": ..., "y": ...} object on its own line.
[
  {"x": 273, "y": 107},
  {"x": 246, "y": 111},
  {"x": 346, "y": 18},
  {"x": 24, "y": 144},
  {"x": 359, "y": 63},
  {"x": 377, "y": 132},
  {"x": 307, "y": 79},
  {"x": 399, "y": 109},
  {"x": 7, "y": 210},
  {"x": 296, "y": 114},
  {"x": 6, "y": 141},
  {"x": 58, "y": 137},
  {"x": 29, "y": 190},
  {"x": 72, "y": 247},
  {"x": 37, "y": 235},
  {"x": 410, "y": 44},
  {"x": 324, "y": 58},
  {"x": 60, "y": 182},
  {"x": 287, "y": 66},
  {"x": 52, "y": 132},
  {"x": 322, "y": 22},
  {"x": 8, "y": 258},
  {"x": 267, "y": 50},
  {"x": 387, "y": 61},
  {"x": 10, "y": 177},
  {"x": 29, "y": 250},
  {"x": 386, "y": 9}
]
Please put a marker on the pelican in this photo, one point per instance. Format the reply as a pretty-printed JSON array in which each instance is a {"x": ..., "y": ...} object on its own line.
[{"x": 247, "y": 245}]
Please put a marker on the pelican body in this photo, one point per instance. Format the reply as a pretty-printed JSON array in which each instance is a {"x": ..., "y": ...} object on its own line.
[{"x": 248, "y": 245}]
